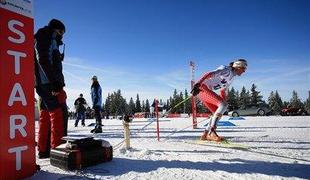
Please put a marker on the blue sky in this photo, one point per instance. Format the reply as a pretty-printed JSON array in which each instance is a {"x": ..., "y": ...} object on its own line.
[{"x": 144, "y": 46}]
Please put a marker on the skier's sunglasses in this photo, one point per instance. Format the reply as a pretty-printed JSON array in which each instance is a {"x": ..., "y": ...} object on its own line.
[
  {"x": 60, "y": 32},
  {"x": 243, "y": 68}
]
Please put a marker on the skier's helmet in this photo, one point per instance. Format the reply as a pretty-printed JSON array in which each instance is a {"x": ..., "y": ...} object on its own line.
[
  {"x": 56, "y": 24},
  {"x": 240, "y": 63}
]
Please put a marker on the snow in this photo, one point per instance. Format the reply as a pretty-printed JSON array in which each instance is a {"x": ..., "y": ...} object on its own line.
[{"x": 279, "y": 148}]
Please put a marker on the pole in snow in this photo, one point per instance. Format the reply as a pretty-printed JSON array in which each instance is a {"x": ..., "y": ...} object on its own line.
[
  {"x": 127, "y": 119},
  {"x": 194, "y": 109},
  {"x": 157, "y": 117}
]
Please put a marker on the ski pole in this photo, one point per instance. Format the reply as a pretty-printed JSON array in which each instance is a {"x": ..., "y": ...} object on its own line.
[
  {"x": 176, "y": 131},
  {"x": 177, "y": 105}
]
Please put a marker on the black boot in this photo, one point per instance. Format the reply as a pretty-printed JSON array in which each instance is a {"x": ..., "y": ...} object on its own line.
[
  {"x": 44, "y": 155},
  {"x": 98, "y": 129}
]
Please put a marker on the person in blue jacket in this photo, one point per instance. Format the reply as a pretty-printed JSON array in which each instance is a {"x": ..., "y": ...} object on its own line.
[{"x": 96, "y": 97}]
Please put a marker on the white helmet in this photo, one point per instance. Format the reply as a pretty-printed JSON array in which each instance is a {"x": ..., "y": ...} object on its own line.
[{"x": 240, "y": 63}]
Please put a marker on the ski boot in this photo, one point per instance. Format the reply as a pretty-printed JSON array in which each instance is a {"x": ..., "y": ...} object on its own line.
[
  {"x": 44, "y": 155},
  {"x": 203, "y": 137},
  {"x": 212, "y": 136}
]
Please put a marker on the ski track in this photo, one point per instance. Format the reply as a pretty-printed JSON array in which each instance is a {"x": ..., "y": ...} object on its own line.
[{"x": 279, "y": 148}]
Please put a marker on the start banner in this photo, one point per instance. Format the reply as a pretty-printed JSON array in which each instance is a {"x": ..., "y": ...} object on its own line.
[{"x": 17, "y": 128}]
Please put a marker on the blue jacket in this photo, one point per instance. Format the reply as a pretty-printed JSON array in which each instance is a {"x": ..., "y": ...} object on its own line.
[{"x": 96, "y": 94}]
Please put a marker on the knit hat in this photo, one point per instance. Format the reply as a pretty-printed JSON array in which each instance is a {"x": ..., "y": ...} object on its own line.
[
  {"x": 94, "y": 78},
  {"x": 56, "y": 24}
]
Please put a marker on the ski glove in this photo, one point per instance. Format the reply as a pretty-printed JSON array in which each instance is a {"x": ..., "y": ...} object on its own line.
[{"x": 195, "y": 91}]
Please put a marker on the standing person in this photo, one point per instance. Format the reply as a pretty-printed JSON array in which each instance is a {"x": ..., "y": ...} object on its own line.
[
  {"x": 49, "y": 86},
  {"x": 96, "y": 97},
  {"x": 220, "y": 79},
  {"x": 80, "y": 106}
]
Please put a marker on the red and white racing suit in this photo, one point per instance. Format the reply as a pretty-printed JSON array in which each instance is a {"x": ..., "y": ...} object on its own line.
[{"x": 219, "y": 79}]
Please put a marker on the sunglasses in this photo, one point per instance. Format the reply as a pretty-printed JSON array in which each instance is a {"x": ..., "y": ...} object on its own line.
[
  {"x": 60, "y": 32},
  {"x": 242, "y": 68}
]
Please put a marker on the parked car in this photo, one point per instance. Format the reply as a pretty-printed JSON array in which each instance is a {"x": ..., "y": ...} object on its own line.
[
  {"x": 289, "y": 111},
  {"x": 259, "y": 109}
]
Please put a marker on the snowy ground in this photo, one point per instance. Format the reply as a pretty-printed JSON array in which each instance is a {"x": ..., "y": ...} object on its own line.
[{"x": 279, "y": 148}]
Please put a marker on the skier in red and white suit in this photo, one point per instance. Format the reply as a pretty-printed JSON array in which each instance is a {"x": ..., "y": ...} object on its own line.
[{"x": 220, "y": 79}]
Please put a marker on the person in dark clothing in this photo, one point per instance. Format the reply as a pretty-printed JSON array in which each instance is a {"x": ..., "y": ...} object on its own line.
[
  {"x": 88, "y": 113},
  {"x": 49, "y": 84},
  {"x": 80, "y": 104},
  {"x": 96, "y": 96}
]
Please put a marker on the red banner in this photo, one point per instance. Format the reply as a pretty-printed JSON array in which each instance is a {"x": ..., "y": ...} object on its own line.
[{"x": 17, "y": 129}]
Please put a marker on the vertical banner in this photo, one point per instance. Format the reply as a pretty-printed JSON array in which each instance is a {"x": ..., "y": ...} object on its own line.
[{"x": 17, "y": 130}]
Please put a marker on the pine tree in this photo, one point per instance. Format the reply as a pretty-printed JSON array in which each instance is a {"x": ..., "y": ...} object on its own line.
[
  {"x": 274, "y": 102},
  {"x": 232, "y": 99},
  {"x": 113, "y": 105},
  {"x": 118, "y": 103},
  {"x": 295, "y": 102},
  {"x": 271, "y": 99},
  {"x": 173, "y": 101},
  {"x": 279, "y": 100},
  {"x": 255, "y": 97},
  {"x": 138, "y": 104},
  {"x": 238, "y": 98},
  {"x": 188, "y": 103},
  {"x": 285, "y": 104},
  {"x": 131, "y": 106},
  {"x": 143, "y": 106},
  {"x": 244, "y": 98},
  {"x": 307, "y": 104},
  {"x": 181, "y": 107},
  {"x": 167, "y": 104},
  {"x": 107, "y": 106},
  {"x": 147, "y": 106},
  {"x": 124, "y": 106},
  {"x": 103, "y": 109}
]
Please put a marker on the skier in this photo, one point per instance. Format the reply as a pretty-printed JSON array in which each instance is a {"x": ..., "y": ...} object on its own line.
[
  {"x": 220, "y": 79},
  {"x": 96, "y": 96},
  {"x": 80, "y": 104},
  {"x": 49, "y": 83}
]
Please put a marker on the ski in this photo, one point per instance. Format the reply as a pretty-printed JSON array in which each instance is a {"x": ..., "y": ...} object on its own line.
[
  {"x": 223, "y": 144},
  {"x": 242, "y": 147}
]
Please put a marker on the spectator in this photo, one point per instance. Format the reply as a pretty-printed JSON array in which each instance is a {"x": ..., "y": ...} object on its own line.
[
  {"x": 96, "y": 96},
  {"x": 80, "y": 106},
  {"x": 49, "y": 86}
]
